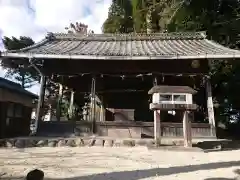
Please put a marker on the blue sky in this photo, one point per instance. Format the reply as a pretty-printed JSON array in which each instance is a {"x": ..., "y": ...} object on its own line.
[{"x": 35, "y": 18}]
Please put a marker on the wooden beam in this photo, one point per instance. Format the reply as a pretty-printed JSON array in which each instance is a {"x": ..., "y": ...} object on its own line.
[
  {"x": 121, "y": 58},
  {"x": 69, "y": 67},
  {"x": 40, "y": 101},
  {"x": 116, "y": 83},
  {"x": 169, "y": 107}
]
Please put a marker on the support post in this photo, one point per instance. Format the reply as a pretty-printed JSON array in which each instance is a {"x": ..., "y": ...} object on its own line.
[
  {"x": 157, "y": 127},
  {"x": 70, "y": 109},
  {"x": 93, "y": 104},
  {"x": 187, "y": 130},
  {"x": 60, "y": 94},
  {"x": 157, "y": 120},
  {"x": 210, "y": 109},
  {"x": 40, "y": 101}
]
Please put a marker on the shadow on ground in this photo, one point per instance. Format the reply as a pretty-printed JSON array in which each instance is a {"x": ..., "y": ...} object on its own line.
[
  {"x": 148, "y": 173},
  {"x": 237, "y": 172},
  {"x": 220, "y": 178},
  {"x": 223, "y": 145}
]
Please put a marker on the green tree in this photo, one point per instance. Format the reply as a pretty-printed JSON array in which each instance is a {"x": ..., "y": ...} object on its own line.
[
  {"x": 141, "y": 16},
  {"x": 119, "y": 18},
  {"x": 220, "y": 18},
  {"x": 20, "y": 71}
]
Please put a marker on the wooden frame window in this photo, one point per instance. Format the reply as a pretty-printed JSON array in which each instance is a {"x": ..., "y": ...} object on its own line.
[
  {"x": 173, "y": 98},
  {"x": 166, "y": 97},
  {"x": 179, "y": 98}
]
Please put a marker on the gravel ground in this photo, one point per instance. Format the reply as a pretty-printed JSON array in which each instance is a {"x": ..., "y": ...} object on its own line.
[{"x": 98, "y": 163}]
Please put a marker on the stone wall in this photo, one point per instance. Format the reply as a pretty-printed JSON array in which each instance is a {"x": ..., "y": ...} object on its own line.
[
  {"x": 72, "y": 142},
  {"x": 166, "y": 144}
]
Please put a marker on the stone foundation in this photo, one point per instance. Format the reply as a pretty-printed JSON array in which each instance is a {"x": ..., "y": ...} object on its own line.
[
  {"x": 81, "y": 141},
  {"x": 168, "y": 144},
  {"x": 72, "y": 142}
]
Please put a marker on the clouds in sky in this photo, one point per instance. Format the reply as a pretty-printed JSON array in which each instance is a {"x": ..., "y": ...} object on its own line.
[{"x": 35, "y": 18}]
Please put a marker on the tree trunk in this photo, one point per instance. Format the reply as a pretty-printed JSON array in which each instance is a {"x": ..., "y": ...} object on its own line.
[{"x": 149, "y": 20}]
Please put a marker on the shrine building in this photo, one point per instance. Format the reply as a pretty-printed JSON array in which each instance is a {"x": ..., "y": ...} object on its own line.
[{"x": 147, "y": 85}]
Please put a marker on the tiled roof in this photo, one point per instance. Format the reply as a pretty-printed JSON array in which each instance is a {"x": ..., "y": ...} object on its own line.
[
  {"x": 12, "y": 86},
  {"x": 172, "y": 89},
  {"x": 129, "y": 46}
]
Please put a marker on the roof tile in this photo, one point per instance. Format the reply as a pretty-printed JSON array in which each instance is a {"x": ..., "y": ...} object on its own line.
[{"x": 159, "y": 44}]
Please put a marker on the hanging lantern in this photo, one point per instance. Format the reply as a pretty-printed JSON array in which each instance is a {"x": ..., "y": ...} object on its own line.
[{"x": 195, "y": 64}]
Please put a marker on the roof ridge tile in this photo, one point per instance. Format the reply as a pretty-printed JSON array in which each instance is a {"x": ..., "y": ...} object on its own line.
[{"x": 127, "y": 37}]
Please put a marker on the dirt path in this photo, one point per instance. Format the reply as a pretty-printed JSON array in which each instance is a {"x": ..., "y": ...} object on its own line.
[{"x": 97, "y": 163}]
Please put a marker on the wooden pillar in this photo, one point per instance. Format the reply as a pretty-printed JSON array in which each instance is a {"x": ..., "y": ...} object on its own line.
[
  {"x": 210, "y": 109},
  {"x": 93, "y": 104},
  {"x": 157, "y": 127},
  {"x": 60, "y": 95},
  {"x": 187, "y": 130},
  {"x": 70, "y": 109},
  {"x": 157, "y": 120},
  {"x": 40, "y": 101}
]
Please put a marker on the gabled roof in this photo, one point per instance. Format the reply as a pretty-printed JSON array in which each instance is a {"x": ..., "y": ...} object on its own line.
[
  {"x": 172, "y": 89},
  {"x": 126, "y": 46},
  {"x": 15, "y": 87}
]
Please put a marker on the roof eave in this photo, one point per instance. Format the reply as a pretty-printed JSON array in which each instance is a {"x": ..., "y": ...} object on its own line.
[
  {"x": 32, "y": 95},
  {"x": 28, "y": 94},
  {"x": 76, "y": 57}
]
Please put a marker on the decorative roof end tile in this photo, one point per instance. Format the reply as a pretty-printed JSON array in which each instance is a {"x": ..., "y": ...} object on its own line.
[{"x": 50, "y": 36}]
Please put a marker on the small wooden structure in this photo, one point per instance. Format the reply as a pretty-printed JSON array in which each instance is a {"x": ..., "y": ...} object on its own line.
[
  {"x": 173, "y": 98},
  {"x": 121, "y": 68},
  {"x": 16, "y": 106}
]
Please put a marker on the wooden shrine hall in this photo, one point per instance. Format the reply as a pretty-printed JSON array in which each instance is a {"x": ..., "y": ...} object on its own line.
[{"x": 150, "y": 85}]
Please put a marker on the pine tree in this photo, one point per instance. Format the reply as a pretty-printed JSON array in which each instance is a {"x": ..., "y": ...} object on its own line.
[{"x": 20, "y": 72}]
